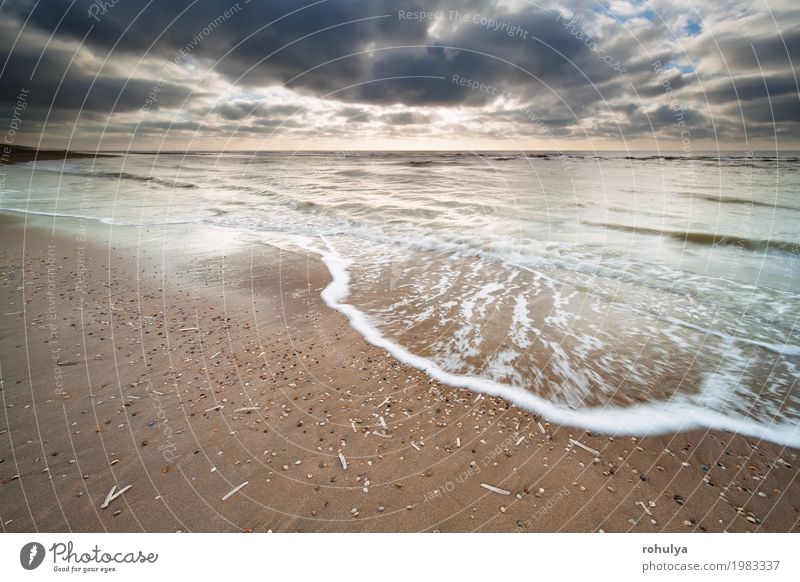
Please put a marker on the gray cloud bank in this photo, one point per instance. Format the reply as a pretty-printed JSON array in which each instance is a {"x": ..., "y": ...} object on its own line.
[{"x": 613, "y": 72}]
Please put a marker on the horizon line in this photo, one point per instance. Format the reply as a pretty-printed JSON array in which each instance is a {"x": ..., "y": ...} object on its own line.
[{"x": 359, "y": 151}]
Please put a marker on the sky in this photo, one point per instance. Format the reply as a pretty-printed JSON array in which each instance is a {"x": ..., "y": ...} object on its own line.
[{"x": 401, "y": 74}]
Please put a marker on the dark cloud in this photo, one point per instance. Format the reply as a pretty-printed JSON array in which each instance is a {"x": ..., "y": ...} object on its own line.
[
  {"x": 62, "y": 83},
  {"x": 405, "y": 118},
  {"x": 359, "y": 56},
  {"x": 752, "y": 87}
]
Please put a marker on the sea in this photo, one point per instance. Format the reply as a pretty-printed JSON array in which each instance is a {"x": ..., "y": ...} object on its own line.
[{"x": 623, "y": 293}]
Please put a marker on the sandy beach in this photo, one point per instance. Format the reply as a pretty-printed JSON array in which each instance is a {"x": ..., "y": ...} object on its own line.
[{"x": 222, "y": 394}]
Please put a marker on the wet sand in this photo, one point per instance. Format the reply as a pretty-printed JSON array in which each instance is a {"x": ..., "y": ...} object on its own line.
[{"x": 184, "y": 375}]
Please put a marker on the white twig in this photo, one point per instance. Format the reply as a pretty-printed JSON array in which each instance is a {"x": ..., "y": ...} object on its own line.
[
  {"x": 584, "y": 447},
  {"x": 495, "y": 489},
  {"x": 112, "y": 495},
  {"x": 234, "y": 490}
]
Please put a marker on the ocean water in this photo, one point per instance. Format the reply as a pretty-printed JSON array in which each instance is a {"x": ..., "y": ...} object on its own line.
[{"x": 623, "y": 293}]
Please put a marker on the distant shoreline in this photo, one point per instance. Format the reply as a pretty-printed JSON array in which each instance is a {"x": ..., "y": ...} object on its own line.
[{"x": 13, "y": 154}]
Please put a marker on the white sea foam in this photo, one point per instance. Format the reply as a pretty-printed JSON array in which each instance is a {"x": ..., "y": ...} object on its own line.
[{"x": 678, "y": 414}]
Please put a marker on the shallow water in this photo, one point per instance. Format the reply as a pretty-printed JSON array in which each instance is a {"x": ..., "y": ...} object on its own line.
[{"x": 634, "y": 293}]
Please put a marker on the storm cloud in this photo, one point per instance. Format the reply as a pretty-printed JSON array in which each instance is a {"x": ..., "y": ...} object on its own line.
[{"x": 612, "y": 72}]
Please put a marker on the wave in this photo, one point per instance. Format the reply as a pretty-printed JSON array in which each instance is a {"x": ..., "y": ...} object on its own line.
[
  {"x": 739, "y": 160},
  {"x": 707, "y": 238},
  {"x": 677, "y": 415},
  {"x": 169, "y": 182},
  {"x": 734, "y": 200}
]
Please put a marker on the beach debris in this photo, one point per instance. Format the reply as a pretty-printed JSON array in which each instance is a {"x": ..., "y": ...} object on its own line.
[
  {"x": 234, "y": 490},
  {"x": 343, "y": 461},
  {"x": 413, "y": 444},
  {"x": 248, "y": 409},
  {"x": 458, "y": 441},
  {"x": 584, "y": 447},
  {"x": 541, "y": 428},
  {"x": 213, "y": 408},
  {"x": 494, "y": 489},
  {"x": 383, "y": 423},
  {"x": 643, "y": 506},
  {"x": 188, "y": 329},
  {"x": 387, "y": 400},
  {"x": 520, "y": 439},
  {"x": 113, "y": 494}
]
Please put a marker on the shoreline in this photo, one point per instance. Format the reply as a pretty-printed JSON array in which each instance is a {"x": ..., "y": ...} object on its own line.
[
  {"x": 15, "y": 154},
  {"x": 297, "y": 386}
]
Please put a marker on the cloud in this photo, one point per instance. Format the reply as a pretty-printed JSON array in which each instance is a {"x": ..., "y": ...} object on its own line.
[{"x": 336, "y": 66}]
